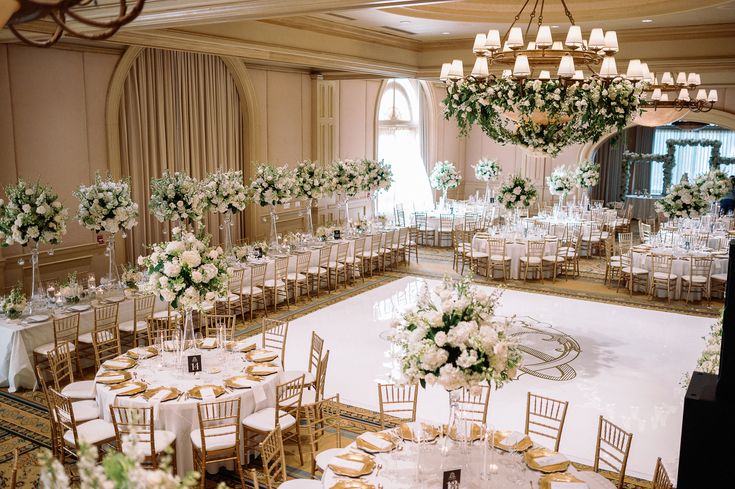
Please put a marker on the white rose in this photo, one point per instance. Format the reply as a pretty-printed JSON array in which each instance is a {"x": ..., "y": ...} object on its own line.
[{"x": 191, "y": 258}]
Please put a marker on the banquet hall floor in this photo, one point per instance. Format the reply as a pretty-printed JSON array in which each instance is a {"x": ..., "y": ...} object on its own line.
[{"x": 621, "y": 362}]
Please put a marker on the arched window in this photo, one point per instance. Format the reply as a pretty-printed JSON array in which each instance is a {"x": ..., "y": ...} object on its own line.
[{"x": 399, "y": 145}]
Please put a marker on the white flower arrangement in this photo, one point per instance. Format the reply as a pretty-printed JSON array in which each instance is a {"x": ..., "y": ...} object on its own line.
[
  {"x": 131, "y": 275},
  {"x": 70, "y": 289},
  {"x": 106, "y": 206},
  {"x": 445, "y": 176},
  {"x": 176, "y": 196},
  {"x": 587, "y": 174},
  {"x": 346, "y": 177},
  {"x": 683, "y": 200},
  {"x": 714, "y": 185},
  {"x": 273, "y": 185},
  {"x": 225, "y": 192},
  {"x": 242, "y": 252},
  {"x": 517, "y": 192},
  {"x": 324, "y": 232},
  {"x": 13, "y": 304},
  {"x": 311, "y": 181},
  {"x": 376, "y": 175},
  {"x": 454, "y": 340},
  {"x": 560, "y": 182},
  {"x": 186, "y": 271},
  {"x": 33, "y": 212},
  {"x": 487, "y": 169}
]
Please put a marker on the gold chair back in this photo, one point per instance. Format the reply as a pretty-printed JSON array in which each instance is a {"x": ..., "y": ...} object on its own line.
[
  {"x": 660, "y": 479},
  {"x": 274, "y": 333},
  {"x": 60, "y": 364},
  {"x": 613, "y": 447},
  {"x": 545, "y": 417},
  {"x": 397, "y": 403},
  {"x": 106, "y": 343},
  {"x": 474, "y": 406},
  {"x": 273, "y": 459},
  {"x": 212, "y": 322}
]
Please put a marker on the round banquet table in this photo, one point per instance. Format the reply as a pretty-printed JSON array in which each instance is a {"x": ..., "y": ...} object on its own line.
[
  {"x": 515, "y": 248},
  {"x": 180, "y": 415},
  {"x": 411, "y": 467},
  {"x": 644, "y": 207}
]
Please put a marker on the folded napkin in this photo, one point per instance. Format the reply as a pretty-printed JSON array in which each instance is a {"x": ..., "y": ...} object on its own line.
[
  {"x": 568, "y": 485},
  {"x": 126, "y": 389},
  {"x": 209, "y": 342},
  {"x": 79, "y": 307},
  {"x": 112, "y": 378},
  {"x": 512, "y": 439},
  {"x": 550, "y": 460},
  {"x": 38, "y": 318},
  {"x": 262, "y": 356},
  {"x": 376, "y": 441},
  {"x": 243, "y": 344},
  {"x": 115, "y": 363},
  {"x": 264, "y": 370},
  {"x": 207, "y": 393},
  {"x": 346, "y": 464}
]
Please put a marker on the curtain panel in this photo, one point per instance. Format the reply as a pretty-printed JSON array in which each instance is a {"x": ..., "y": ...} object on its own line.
[{"x": 179, "y": 112}]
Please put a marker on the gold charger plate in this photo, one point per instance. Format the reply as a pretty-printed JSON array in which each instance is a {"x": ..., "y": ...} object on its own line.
[
  {"x": 265, "y": 356},
  {"x": 233, "y": 346},
  {"x": 368, "y": 464},
  {"x": 232, "y": 381},
  {"x": 521, "y": 446},
  {"x": 196, "y": 391},
  {"x": 408, "y": 434},
  {"x": 531, "y": 455},
  {"x": 257, "y": 370},
  {"x": 110, "y": 377},
  {"x": 174, "y": 393},
  {"x": 369, "y": 447},
  {"x": 353, "y": 484},
  {"x": 141, "y": 387},
  {"x": 126, "y": 362},
  {"x": 544, "y": 482},
  {"x": 211, "y": 346},
  {"x": 475, "y": 433},
  {"x": 147, "y": 352}
]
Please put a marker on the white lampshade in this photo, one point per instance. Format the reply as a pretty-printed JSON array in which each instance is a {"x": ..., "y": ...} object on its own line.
[
  {"x": 492, "y": 40},
  {"x": 543, "y": 37},
  {"x": 667, "y": 79},
  {"x": 578, "y": 75},
  {"x": 479, "y": 45},
  {"x": 664, "y": 97},
  {"x": 446, "y": 67},
  {"x": 611, "y": 42},
  {"x": 480, "y": 70},
  {"x": 521, "y": 67},
  {"x": 683, "y": 95},
  {"x": 515, "y": 37},
  {"x": 692, "y": 79},
  {"x": 457, "y": 70},
  {"x": 557, "y": 46},
  {"x": 712, "y": 97},
  {"x": 597, "y": 39},
  {"x": 697, "y": 79},
  {"x": 701, "y": 94},
  {"x": 531, "y": 46},
  {"x": 574, "y": 37},
  {"x": 647, "y": 76},
  {"x": 608, "y": 69},
  {"x": 656, "y": 95},
  {"x": 566, "y": 67},
  {"x": 544, "y": 75},
  {"x": 681, "y": 78},
  {"x": 634, "y": 71}
]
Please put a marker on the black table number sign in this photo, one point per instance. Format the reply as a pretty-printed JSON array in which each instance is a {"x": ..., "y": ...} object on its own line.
[
  {"x": 337, "y": 234},
  {"x": 258, "y": 252},
  {"x": 194, "y": 363},
  {"x": 451, "y": 479}
]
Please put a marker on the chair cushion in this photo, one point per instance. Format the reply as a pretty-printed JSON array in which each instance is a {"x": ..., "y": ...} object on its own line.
[
  {"x": 634, "y": 270},
  {"x": 127, "y": 326},
  {"x": 44, "y": 349},
  {"x": 297, "y": 277},
  {"x": 479, "y": 254},
  {"x": 91, "y": 432},
  {"x": 722, "y": 277},
  {"x": 664, "y": 276},
  {"x": 264, "y": 420},
  {"x": 334, "y": 264},
  {"x": 207, "y": 306},
  {"x": 230, "y": 298},
  {"x": 248, "y": 290},
  {"x": 85, "y": 410},
  {"x": 325, "y": 456},
  {"x": 553, "y": 258},
  {"x": 218, "y": 438},
  {"x": 695, "y": 279},
  {"x": 316, "y": 270},
  {"x": 500, "y": 258},
  {"x": 83, "y": 389},
  {"x": 85, "y": 338},
  {"x": 270, "y": 283},
  {"x": 290, "y": 375},
  {"x": 164, "y": 314},
  {"x": 162, "y": 440},
  {"x": 368, "y": 254},
  {"x": 301, "y": 484},
  {"x": 532, "y": 259}
]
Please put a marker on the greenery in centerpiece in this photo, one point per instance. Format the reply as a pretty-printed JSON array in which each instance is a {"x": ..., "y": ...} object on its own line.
[
  {"x": 106, "y": 205},
  {"x": 70, "y": 289},
  {"x": 243, "y": 251},
  {"x": 560, "y": 182},
  {"x": 224, "y": 191},
  {"x": 311, "y": 181},
  {"x": 683, "y": 200},
  {"x": 176, "y": 197},
  {"x": 714, "y": 185},
  {"x": 32, "y": 213},
  {"x": 444, "y": 176},
  {"x": 487, "y": 169},
  {"x": 376, "y": 175},
  {"x": 13, "y": 304},
  {"x": 346, "y": 177},
  {"x": 272, "y": 185},
  {"x": 517, "y": 192},
  {"x": 587, "y": 174}
]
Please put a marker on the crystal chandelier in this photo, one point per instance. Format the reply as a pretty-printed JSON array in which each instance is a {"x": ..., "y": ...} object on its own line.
[
  {"x": 61, "y": 11},
  {"x": 550, "y": 94}
]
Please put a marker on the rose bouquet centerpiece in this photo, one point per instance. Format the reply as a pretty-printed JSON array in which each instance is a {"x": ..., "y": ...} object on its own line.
[
  {"x": 587, "y": 174},
  {"x": 714, "y": 185},
  {"x": 444, "y": 177},
  {"x": 683, "y": 200},
  {"x": 225, "y": 193},
  {"x": 32, "y": 214},
  {"x": 107, "y": 207},
  {"x": 326, "y": 232},
  {"x": 13, "y": 304},
  {"x": 487, "y": 170},
  {"x": 272, "y": 186},
  {"x": 311, "y": 181},
  {"x": 517, "y": 192},
  {"x": 346, "y": 179},
  {"x": 177, "y": 197},
  {"x": 560, "y": 182},
  {"x": 242, "y": 252},
  {"x": 376, "y": 176}
]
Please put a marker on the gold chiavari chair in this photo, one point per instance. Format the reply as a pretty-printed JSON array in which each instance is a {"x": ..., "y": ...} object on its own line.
[
  {"x": 625, "y": 240},
  {"x": 62, "y": 374},
  {"x": 106, "y": 344},
  {"x": 397, "y": 403},
  {"x": 470, "y": 222},
  {"x": 700, "y": 241},
  {"x": 457, "y": 250},
  {"x": 386, "y": 251},
  {"x": 274, "y": 466},
  {"x": 298, "y": 281},
  {"x": 400, "y": 217},
  {"x": 323, "y": 424},
  {"x": 553, "y": 262},
  {"x": 135, "y": 329},
  {"x": 660, "y": 479},
  {"x": 698, "y": 278},
  {"x": 232, "y": 303},
  {"x": 545, "y": 417},
  {"x": 612, "y": 262},
  {"x": 218, "y": 437},
  {"x": 474, "y": 406},
  {"x": 718, "y": 283},
  {"x": 213, "y": 322},
  {"x": 661, "y": 275},
  {"x": 479, "y": 261},
  {"x": 613, "y": 447},
  {"x": 354, "y": 262},
  {"x": 156, "y": 325},
  {"x": 66, "y": 330},
  {"x": 55, "y": 431},
  {"x": 644, "y": 232},
  {"x": 139, "y": 422},
  {"x": 274, "y": 333},
  {"x": 285, "y": 416},
  {"x": 316, "y": 350},
  {"x": 84, "y": 410},
  {"x": 338, "y": 266},
  {"x": 631, "y": 275},
  {"x": 499, "y": 258},
  {"x": 320, "y": 381},
  {"x": 426, "y": 234},
  {"x": 104, "y": 316},
  {"x": 276, "y": 286},
  {"x": 254, "y": 292},
  {"x": 412, "y": 244},
  {"x": 533, "y": 261},
  {"x": 319, "y": 273},
  {"x": 399, "y": 246},
  {"x": 446, "y": 227},
  {"x": 371, "y": 258},
  {"x": 592, "y": 238},
  {"x": 570, "y": 250}
]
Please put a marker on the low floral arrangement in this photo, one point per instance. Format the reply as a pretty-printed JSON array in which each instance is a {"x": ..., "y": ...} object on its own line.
[
  {"x": 224, "y": 191},
  {"x": 131, "y": 275},
  {"x": 106, "y": 206},
  {"x": 311, "y": 181},
  {"x": 325, "y": 232},
  {"x": 185, "y": 271},
  {"x": 454, "y": 340},
  {"x": 517, "y": 192},
  {"x": 683, "y": 200},
  {"x": 33, "y": 212},
  {"x": 487, "y": 169},
  {"x": 445, "y": 176},
  {"x": 70, "y": 289},
  {"x": 273, "y": 185},
  {"x": 560, "y": 182},
  {"x": 376, "y": 175},
  {"x": 346, "y": 177},
  {"x": 13, "y": 304},
  {"x": 244, "y": 251},
  {"x": 587, "y": 174},
  {"x": 176, "y": 197},
  {"x": 714, "y": 185}
]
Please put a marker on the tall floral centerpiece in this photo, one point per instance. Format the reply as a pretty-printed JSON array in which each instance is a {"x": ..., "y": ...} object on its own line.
[
  {"x": 444, "y": 177},
  {"x": 487, "y": 170},
  {"x": 272, "y": 185},
  {"x": 107, "y": 207},
  {"x": 714, "y": 185},
  {"x": 560, "y": 183},
  {"x": 346, "y": 181},
  {"x": 178, "y": 198},
  {"x": 32, "y": 214},
  {"x": 517, "y": 192},
  {"x": 225, "y": 193},
  {"x": 683, "y": 200},
  {"x": 311, "y": 181},
  {"x": 376, "y": 176},
  {"x": 13, "y": 304},
  {"x": 184, "y": 272}
]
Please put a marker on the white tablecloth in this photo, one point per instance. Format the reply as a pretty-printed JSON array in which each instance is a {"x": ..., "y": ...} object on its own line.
[
  {"x": 515, "y": 248},
  {"x": 679, "y": 266},
  {"x": 180, "y": 416},
  {"x": 643, "y": 207}
]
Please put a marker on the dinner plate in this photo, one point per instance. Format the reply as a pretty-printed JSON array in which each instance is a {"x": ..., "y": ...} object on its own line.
[
  {"x": 173, "y": 393},
  {"x": 120, "y": 363},
  {"x": 352, "y": 484},
  {"x": 521, "y": 446},
  {"x": 544, "y": 482},
  {"x": 535, "y": 453},
  {"x": 261, "y": 370},
  {"x": 261, "y": 356},
  {"x": 142, "y": 352},
  {"x": 475, "y": 433},
  {"x": 363, "y": 444},
  {"x": 196, "y": 391},
  {"x": 368, "y": 464},
  {"x": 113, "y": 377},
  {"x": 120, "y": 389},
  {"x": 236, "y": 382},
  {"x": 241, "y": 346},
  {"x": 38, "y": 318},
  {"x": 406, "y": 431},
  {"x": 80, "y": 307}
]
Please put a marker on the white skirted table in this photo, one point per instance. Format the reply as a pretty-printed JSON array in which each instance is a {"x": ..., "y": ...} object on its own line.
[
  {"x": 644, "y": 206},
  {"x": 515, "y": 248}
]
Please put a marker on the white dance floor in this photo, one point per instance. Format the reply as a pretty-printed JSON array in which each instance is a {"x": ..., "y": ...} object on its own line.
[{"x": 624, "y": 363}]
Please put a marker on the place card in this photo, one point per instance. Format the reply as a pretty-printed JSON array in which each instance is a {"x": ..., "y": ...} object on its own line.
[{"x": 451, "y": 479}]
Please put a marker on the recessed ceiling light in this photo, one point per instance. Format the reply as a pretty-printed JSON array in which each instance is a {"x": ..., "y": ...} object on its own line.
[
  {"x": 647, "y": 21},
  {"x": 405, "y": 22},
  {"x": 445, "y": 33}
]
